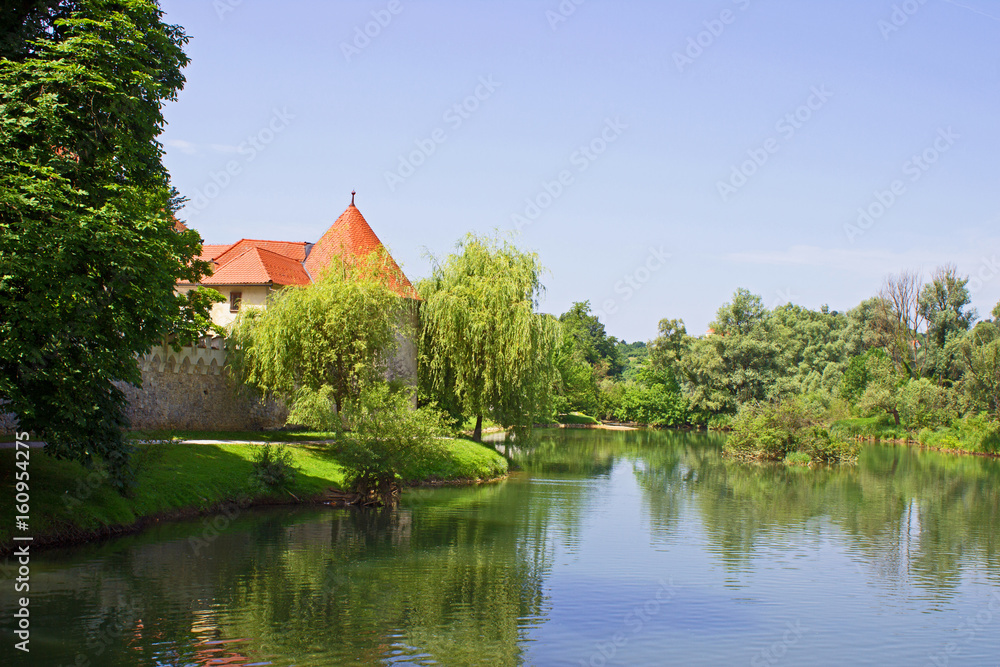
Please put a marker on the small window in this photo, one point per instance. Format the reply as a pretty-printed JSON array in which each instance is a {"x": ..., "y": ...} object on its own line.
[{"x": 234, "y": 301}]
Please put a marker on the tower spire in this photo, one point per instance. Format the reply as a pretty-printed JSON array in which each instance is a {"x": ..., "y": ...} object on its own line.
[{"x": 352, "y": 197}]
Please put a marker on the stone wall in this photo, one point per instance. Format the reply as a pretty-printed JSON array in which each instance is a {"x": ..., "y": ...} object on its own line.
[{"x": 188, "y": 390}]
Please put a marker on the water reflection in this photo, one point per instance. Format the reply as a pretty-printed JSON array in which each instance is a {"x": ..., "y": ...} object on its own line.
[{"x": 537, "y": 569}]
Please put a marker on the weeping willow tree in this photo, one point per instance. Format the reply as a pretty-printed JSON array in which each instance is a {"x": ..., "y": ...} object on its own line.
[
  {"x": 322, "y": 343},
  {"x": 484, "y": 351}
]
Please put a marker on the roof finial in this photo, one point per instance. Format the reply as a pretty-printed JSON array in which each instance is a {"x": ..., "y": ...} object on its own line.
[{"x": 352, "y": 197}]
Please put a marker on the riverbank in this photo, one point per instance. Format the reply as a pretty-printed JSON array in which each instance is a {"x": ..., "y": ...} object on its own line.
[
  {"x": 70, "y": 505},
  {"x": 972, "y": 435}
]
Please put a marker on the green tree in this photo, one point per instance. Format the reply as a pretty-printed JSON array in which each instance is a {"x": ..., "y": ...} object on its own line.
[
  {"x": 813, "y": 348},
  {"x": 882, "y": 389},
  {"x": 739, "y": 362},
  {"x": 590, "y": 338},
  {"x": 331, "y": 338},
  {"x": 484, "y": 349},
  {"x": 666, "y": 350},
  {"x": 386, "y": 436},
  {"x": 944, "y": 304},
  {"x": 89, "y": 256},
  {"x": 979, "y": 352}
]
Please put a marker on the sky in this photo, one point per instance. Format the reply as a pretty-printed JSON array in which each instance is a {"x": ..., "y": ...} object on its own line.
[{"x": 656, "y": 155}]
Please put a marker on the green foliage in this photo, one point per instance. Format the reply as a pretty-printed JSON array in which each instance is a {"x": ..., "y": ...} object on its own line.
[
  {"x": 813, "y": 349},
  {"x": 880, "y": 427},
  {"x": 576, "y": 388},
  {"x": 485, "y": 351},
  {"x": 882, "y": 389},
  {"x": 654, "y": 399},
  {"x": 333, "y": 337},
  {"x": 589, "y": 338},
  {"x": 578, "y": 419},
  {"x": 973, "y": 433},
  {"x": 272, "y": 467},
  {"x": 738, "y": 363},
  {"x": 386, "y": 436},
  {"x": 923, "y": 404},
  {"x": 89, "y": 256},
  {"x": 315, "y": 409},
  {"x": 943, "y": 304},
  {"x": 979, "y": 352},
  {"x": 798, "y": 459},
  {"x": 773, "y": 431}
]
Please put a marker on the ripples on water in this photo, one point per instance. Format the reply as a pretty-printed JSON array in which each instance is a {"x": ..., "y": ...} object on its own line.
[{"x": 639, "y": 548}]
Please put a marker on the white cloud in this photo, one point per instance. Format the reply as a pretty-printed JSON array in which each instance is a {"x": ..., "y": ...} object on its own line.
[{"x": 185, "y": 147}]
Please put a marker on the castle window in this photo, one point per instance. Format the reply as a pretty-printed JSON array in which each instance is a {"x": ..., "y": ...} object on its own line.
[{"x": 234, "y": 301}]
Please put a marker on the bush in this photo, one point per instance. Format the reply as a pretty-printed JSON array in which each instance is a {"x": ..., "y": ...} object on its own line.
[
  {"x": 773, "y": 431},
  {"x": 923, "y": 404},
  {"x": 650, "y": 404},
  {"x": 272, "y": 467},
  {"x": 386, "y": 435},
  {"x": 798, "y": 459},
  {"x": 881, "y": 427},
  {"x": 314, "y": 410},
  {"x": 973, "y": 433}
]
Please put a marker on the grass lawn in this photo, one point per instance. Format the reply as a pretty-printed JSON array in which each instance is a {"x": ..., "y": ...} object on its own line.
[{"x": 68, "y": 500}]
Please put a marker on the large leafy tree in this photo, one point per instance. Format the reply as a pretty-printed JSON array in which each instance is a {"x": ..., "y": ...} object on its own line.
[
  {"x": 589, "y": 337},
  {"x": 943, "y": 303},
  {"x": 485, "y": 351},
  {"x": 330, "y": 339},
  {"x": 89, "y": 254},
  {"x": 739, "y": 362}
]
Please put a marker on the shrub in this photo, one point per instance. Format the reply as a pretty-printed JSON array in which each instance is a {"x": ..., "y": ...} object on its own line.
[
  {"x": 923, "y": 404},
  {"x": 773, "y": 431},
  {"x": 973, "y": 433},
  {"x": 798, "y": 459},
  {"x": 386, "y": 435},
  {"x": 314, "y": 410},
  {"x": 272, "y": 467}
]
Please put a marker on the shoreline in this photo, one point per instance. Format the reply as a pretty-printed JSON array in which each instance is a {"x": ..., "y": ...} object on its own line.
[{"x": 331, "y": 497}]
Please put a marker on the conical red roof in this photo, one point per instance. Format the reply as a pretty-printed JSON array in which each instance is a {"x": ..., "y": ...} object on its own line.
[{"x": 351, "y": 237}]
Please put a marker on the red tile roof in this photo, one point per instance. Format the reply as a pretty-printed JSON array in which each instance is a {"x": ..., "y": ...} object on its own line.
[
  {"x": 351, "y": 237},
  {"x": 291, "y": 249},
  {"x": 259, "y": 266},
  {"x": 259, "y": 262},
  {"x": 210, "y": 252}
]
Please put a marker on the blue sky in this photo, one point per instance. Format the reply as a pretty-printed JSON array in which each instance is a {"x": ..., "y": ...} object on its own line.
[{"x": 657, "y": 155}]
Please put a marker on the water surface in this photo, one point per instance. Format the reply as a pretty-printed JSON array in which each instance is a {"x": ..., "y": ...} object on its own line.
[{"x": 631, "y": 548}]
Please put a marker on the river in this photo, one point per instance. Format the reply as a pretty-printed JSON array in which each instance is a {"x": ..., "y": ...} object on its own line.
[{"x": 606, "y": 548}]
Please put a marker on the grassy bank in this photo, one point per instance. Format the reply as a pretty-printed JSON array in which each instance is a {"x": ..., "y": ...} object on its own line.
[
  {"x": 973, "y": 435},
  {"x": 69, "y": 503}
]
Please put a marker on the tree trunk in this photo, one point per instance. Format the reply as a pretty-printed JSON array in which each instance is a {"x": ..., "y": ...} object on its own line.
[
  {"x": 477, "y": 434},
  {"x": 895, "y": 415}
]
